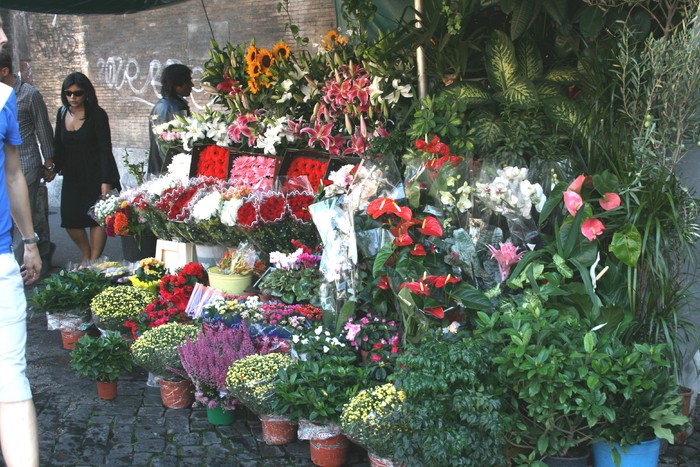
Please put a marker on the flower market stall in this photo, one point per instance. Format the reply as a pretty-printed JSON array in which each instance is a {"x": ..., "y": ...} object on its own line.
[{"x": 470, "y": 278}]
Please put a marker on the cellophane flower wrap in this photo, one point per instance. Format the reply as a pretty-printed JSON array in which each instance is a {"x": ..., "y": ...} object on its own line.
[
  {"x": 104, "y": 208},
  {"x": 229, "y": 311},
  {"x": 252, "y": 380},
  {"x": 295, "y": 277},
  {"x": 273, "y": 219},
  {"x": 374, "y": 417},
  {"x": 157, "y": 348},
  {"x": 177, "y": 288},
  {"x": 206, "y": 360},
  {"x": 112, "y": 307},
  {"x": 148, "y": 274},
  {"x": 204, "y": 223}
]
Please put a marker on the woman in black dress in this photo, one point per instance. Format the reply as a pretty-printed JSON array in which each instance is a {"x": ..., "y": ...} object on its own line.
[{"x": 83, "y": 154}]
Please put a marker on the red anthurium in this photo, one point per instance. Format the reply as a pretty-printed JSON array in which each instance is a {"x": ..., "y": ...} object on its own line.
[
  {"x": 384, "y": 283},
  {"x": 388, "y": 206},
  {"x": 403, "y": 240},
  {"x": 441, "y": 281},
  {"x": 431, "y": 226},
  {"x": 418, "y": 250},
  {"x": 417, "y": 287},
  {"x": 436, "y": 311},
  {"x": 434, "y": 147}
]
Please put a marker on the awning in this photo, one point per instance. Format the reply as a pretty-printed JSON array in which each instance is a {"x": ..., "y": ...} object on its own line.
[{"x": 85, "y": 7}]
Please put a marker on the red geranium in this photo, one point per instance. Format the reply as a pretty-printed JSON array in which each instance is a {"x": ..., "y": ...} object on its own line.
[{"x": 177, "y": 288}]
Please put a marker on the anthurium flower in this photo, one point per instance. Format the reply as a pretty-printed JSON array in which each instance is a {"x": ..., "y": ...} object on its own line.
[
  {"x": 610, "y": 201},
  {"x": 431, "y": 226},
  {"x": 403, "y": 226},
  {"x": 418, "y": 250},
  {"x": 403, "y": 240},
  {"x": 384, "y": 283},
  {"x": 437, "y": 311},
  {"x": 388, "y": 206},
  {"x": 441, "y": 281},
  {"x": 591, "y": 228},
  {"x": 572, "y": 201},
  {"x": 577, "y": 184},
  {"x": 417, "y": 287}
]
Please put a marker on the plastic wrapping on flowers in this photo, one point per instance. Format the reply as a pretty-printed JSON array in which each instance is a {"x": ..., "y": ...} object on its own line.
[{"x": 308, "y": 430}]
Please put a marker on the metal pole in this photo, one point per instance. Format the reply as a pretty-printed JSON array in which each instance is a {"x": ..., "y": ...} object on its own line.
[{"x": 420, "y": 54}]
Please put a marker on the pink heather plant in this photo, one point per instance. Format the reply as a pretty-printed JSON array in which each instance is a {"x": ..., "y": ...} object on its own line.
[
  {"x": 506, "y": 257},
  {"x": 207, "y": 359}
]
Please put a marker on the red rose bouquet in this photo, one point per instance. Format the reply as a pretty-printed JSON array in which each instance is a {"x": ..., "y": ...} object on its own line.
[
  {"x": 177, "y": 288},
  {"x": 312, "y": 168}
]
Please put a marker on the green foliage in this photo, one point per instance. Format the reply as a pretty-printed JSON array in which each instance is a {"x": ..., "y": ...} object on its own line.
[
  {"x": 101, "y": 358},
  {"x": 293, "y": 286},
  {"x": 68, "y": 291},
  {"x": 451, "y": 407},
  {"x": 317, "y": 389}
]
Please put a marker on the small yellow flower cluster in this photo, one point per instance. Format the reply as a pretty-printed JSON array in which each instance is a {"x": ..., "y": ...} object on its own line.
[
  {"x": 252, "y": 379},
  {"x": 150, "y": 269},
  {"x": 373, "y": 411},
  {"x": 116, "y": 304},
  {"x": 156, "y": 349}
]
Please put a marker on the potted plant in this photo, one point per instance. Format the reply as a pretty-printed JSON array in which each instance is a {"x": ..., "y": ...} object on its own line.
[
  {"x": 148, "y": 274},
  {"x": 252, "y": 380},
  {"x": 112, "y": 307},
  {"x": 233, "y": 273},
  {"x": 156, "y": 351},
  {"x": 295, "y": 277},
  {"x": 452, "y": 406},
  {"x": 65, "y": 297},
  {"x": 316, "y": 387},
  {"x": 206, "y": 360},
  {"x": 544, "y": 364},
  {"x": 641, "y": 402},
  {"x": 373, "y": 419},
  {"x": 102, "y": 359},
  {"x": 378, "y": 340}
]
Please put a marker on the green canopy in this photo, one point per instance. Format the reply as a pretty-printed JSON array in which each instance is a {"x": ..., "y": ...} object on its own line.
[{"x": 85, "y": 7}]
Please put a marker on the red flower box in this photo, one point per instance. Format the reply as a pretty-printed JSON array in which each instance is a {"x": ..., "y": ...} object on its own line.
[
  {"x": 210, "y": 160},
  {"x": 298, "y": 163}
]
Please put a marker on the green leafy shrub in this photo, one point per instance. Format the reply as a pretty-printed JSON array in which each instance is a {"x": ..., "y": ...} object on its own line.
[{"x": 101, "y": 358}]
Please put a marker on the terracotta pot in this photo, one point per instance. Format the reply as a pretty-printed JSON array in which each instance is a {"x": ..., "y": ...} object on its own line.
[
  {"x": 686, "y": 394},
  {"x": 70, "y": 337},
  {"x": 177, "y": 394},
  {"x": 331, "y": 452},
  {"x": 376, "y": 461},
  {"x": 107, "y": 390},
  {"x": 278, "y": 430}
]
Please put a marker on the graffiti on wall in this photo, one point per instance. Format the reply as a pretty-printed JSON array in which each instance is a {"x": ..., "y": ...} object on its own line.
[
  {"x": 142, "y": 83},
  {"x": 57, "y": 42}
]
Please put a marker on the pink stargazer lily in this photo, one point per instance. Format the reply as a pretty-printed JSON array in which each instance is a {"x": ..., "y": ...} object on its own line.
[{"x": 319, "y": 133}]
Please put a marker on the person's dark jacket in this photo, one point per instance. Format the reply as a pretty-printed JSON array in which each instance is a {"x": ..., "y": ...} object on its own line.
[{"x": 163, "y": 111}]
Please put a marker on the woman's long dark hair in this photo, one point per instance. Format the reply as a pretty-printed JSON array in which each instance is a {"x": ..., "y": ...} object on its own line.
[{"x": 83, "y": 83}]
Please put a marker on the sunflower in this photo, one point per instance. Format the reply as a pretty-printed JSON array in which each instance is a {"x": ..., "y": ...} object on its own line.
[
  {"x": 251, "y": 55},
  {"x": 253, "y": 86},
  {"x": 253, "y": 69},
  {"x": 330, "y": 39},
  {"x": 281, "y": 51},
  {"x": 265, "y": 59}
]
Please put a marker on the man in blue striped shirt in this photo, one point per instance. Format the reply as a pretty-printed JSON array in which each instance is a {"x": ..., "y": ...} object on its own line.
[{"x": 37, "y": 140}]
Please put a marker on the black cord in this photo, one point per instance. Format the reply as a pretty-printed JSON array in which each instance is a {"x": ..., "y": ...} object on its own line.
[{"x": 208, "y": 22}]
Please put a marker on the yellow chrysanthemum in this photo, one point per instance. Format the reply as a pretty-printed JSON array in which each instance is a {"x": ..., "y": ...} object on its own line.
[
  {"x": 281, "y": 51},
  {"x": 265, "y": 59},
  {"x": 251, "y": 54}
]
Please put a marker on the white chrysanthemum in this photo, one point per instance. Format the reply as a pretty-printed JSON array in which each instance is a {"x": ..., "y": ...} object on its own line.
[
  {"x": 179, "y": 168},
  {"x": 207, "y": 207},
  {"x": 229, "y": 211}
]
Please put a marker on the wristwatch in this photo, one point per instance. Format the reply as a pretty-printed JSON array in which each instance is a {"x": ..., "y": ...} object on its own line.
[
  {"x": 51, "y": 168},
  {"x": 29, "y": 241}
]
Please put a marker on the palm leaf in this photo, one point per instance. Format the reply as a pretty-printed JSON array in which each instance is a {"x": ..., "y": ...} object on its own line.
[{"x": 501, "y": 65}]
